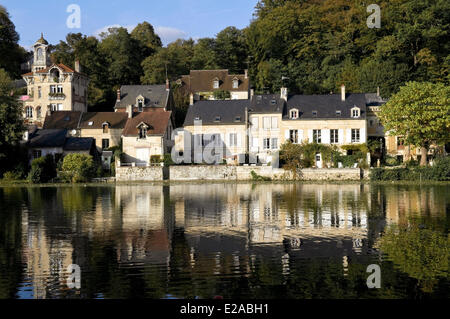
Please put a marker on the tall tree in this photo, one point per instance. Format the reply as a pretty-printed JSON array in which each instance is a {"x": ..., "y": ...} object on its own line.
[
  {"x": 231, "y": 50},
  {"x": 148, "y": 40},
  {"x": 419, "y": 112}
]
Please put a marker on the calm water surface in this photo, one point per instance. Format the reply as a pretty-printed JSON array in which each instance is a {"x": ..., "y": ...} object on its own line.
[{"x": 230, "y": 240}]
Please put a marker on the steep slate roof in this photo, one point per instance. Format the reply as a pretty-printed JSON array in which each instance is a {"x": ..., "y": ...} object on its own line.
[
  {"x": 157, "y": 119},
  {"x": 116, "y": 120},
  {"x": 326, "y": 106},
  {"x": 154, "y": 95},
  {"x": 48, "y": 138},
  {"x": 372, "y": 99},
  {"x": 270, "y": 103},
  {"x": 207, "y": 111},
  {"x": 62, "y": 120},
  {"x": 78, "y": 144},
  {"x": 202, "y": 81}
]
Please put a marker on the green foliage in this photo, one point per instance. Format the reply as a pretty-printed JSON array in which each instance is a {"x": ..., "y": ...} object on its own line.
[
  {"x": 421, "y": 253},
  {"x": 291, "y": 158},
  {"x": 168, "y": 160},
  {"x": 43, "y": 169},
  {"x": 440, "y": 171},
  {"x": 259, "y": 178},
  {"x": 77, "y": 168},
  {"x": 420, "y": 113},
  {"x": 221, "y": 95},
  {"x": 155, "y": 159}
]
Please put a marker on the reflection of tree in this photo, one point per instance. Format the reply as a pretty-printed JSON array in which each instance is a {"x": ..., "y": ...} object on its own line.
[{"x": 421, "y": 253}]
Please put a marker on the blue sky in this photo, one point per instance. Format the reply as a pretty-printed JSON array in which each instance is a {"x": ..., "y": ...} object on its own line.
[{"x": 172, "y": 19}]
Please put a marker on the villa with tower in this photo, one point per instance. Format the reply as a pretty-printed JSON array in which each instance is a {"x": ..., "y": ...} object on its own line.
[{"x": 52, "y": 87}]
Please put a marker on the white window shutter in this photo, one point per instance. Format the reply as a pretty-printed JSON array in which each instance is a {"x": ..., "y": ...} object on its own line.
[
  {"x": 348, "y": 134},
  {"x": 341, "y": 136},
  {"x": 239, "y": 139},
  {"x": 300, "y": 136},
  {"x": 326, "y": 136},
  {"x": 222, "y": 139},
  {"x": 310, "y": 136},
  {"x": 362, "y": 133},
  {"x": 287, "y": 135}
]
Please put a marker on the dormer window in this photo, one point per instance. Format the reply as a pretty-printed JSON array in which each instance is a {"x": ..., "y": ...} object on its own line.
[
  {"x": 140, "y": 104},
  {"x": 217, "y": 119},
  {"x": 216, "y": 83},
  {"x": 314, "y": 113},
  {"x": 293, "y": 114},
  {"x": 355, "y": 112},
  {"x": 91, "y": 123},
  {"x": 105, "y": 128},
  {"x": 235, "y": 83},
  {"x": 237, "y": 119},
  {"x": 338, "y": 113},
  {"x": 197, "y": 118},
  {"x": 142, "y": 132}
]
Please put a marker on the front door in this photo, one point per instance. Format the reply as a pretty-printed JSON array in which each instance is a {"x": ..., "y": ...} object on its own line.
[
  {"x": 143, "y": 155},
  {"x": 319, "y": 160}
]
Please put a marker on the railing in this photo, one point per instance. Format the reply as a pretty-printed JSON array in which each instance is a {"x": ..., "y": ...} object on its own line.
[{"x": 56, "y": 96}]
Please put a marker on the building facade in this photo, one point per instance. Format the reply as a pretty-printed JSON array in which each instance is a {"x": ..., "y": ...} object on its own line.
[{"x": 52, "y": 87}]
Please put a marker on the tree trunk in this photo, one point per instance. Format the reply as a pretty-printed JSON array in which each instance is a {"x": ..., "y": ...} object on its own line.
[{"x": 423, "y": 156}]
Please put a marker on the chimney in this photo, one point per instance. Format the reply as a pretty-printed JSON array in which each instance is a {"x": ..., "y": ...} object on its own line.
[
  {"x": 77, "y": 66},
  {"x": 378, "y": 91},
  {"x": 284, "y": 93},
  {"x": 167, "y": 85},
  {"x": 191, "y": 99},
  {"x": 118, "y": 95},
  {"x": 343, "y": 93},
  {"x": 252, "y": 93},
  {"x": 130, "y": 111},
  {"x": 246, "y": 73}
]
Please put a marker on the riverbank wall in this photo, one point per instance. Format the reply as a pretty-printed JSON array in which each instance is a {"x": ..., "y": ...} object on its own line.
[{"x": 234, "y": 173}]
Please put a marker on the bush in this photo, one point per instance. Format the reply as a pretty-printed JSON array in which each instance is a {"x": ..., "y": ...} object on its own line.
[
  {"x": 43, "y": 169},
  {"x": 78, "y": 168},
  {"x": 259, "y": 178},
  {"x": 391, "y": 161},
  {"x": 155, "y": 159},
  {"x": 440, "y": 171},
  {"x": 168, "y": 160}
]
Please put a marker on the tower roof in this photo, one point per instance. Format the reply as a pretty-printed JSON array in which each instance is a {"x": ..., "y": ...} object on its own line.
[{"x": 42, "y": 40}]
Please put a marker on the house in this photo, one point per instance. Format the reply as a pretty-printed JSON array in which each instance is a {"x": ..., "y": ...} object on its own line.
[
  {"x": 52, "y": 87},
  {"x": 104, "y": 127},
  {"x": 201, "y": 84},
  {"x": 140, "y": 98},
  {"x": 259, "y": 126},
  {"x": 55, "y": 142},
  {"x": 147, "y": 134}
]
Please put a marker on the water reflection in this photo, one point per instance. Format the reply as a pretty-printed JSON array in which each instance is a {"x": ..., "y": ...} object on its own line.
[{"x": 188, "y": 240}]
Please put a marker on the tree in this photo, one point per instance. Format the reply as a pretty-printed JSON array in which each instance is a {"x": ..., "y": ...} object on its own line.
[
  {"x": 78, "y": 168},
  {"x": 231, "y": 50},
  {"x": 11, "y": 54},
  {"x": 11, "y": 122},
  {"x": 419, "y": 112},
  {"x": 148, "y": 40}
]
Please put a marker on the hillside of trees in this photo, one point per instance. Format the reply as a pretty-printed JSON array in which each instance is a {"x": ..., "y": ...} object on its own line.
[{"x": 317, "y": 44}]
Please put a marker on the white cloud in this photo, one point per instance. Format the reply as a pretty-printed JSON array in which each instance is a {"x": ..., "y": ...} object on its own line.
[
  {"x": 169, "y": 34},
  {"x": 105, "y": 28}
]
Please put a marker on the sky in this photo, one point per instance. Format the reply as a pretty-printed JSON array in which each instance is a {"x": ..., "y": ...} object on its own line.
[{"x": 172, "y": 19}]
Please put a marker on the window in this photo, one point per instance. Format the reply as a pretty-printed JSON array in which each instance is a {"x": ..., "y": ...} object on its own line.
[
  {"x": 140, "y": 105},
  {"x": 317, "y": 136},
  {"x": 355, "y": 136},
  {"x": 217, "y": 119},
  {"x": 255, "y": 123},
  {"x": 237, "y": 119},
  {"x": 52, "y": 88},
  {"x": 274, "y": 144},
  {"x": 371, "y": 123},
  {"x": 274, "y": 123},
  {"x": 216, "y": 84},
  {"x": 54, "y": 107},
  {"x": 38, "y": 112},
  {"x": 293, "y": 136},
  {"x": 338, "y": 113},
  {"x": 314, "y": 113},
  {"x": 37, "y": 153},
  {"x": 59, "y": 89},
  {"x": 233, "y": 139},
  {"x": 39, "y": 92},
  {"x": 355, "y": 112},
  {"x": 334, "y": 136},
  {"x": 142, "y": 132},
  {"x": 105, "y": 143},
  {"x": 293, "y": 114},
  {"x": 266, "y": 143},
  {"x": 105, "y": 128},
  {"x": 29, "y": 112},
  {"x": 266, "y": 123},
  {"x": 235, "y": 84}
]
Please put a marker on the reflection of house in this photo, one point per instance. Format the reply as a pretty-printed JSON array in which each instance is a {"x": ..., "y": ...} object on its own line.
[
  {"x": 147, "y": 134},
  {"x": 202, "y": 84},
  {"x": 52, "y": 87}
]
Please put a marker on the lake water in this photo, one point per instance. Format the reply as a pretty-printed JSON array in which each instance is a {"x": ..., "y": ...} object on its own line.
[{"x": 221, "y": 239}]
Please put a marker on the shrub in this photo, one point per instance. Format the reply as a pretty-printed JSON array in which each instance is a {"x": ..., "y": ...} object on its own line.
[
  {"x": 43, "y": 169},
  {"x": 168, "y": 160},
  {"x": 259, "y": 178},
  {"x": 391, "y": 161},
  {"x": 78, "y": 168},
  {"x": 155, "y": 159}
]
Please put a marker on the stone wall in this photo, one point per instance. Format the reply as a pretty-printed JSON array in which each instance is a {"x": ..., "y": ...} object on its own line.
[
  {"x": 202, "y": 172},
  {"x": 143, "y": 174}
]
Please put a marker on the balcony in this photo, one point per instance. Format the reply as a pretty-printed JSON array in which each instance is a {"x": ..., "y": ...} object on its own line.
[{"x": 56, "y": 96}]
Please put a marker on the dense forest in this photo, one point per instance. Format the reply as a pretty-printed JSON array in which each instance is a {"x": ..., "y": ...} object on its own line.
[{"x": 316, "y": 44}]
